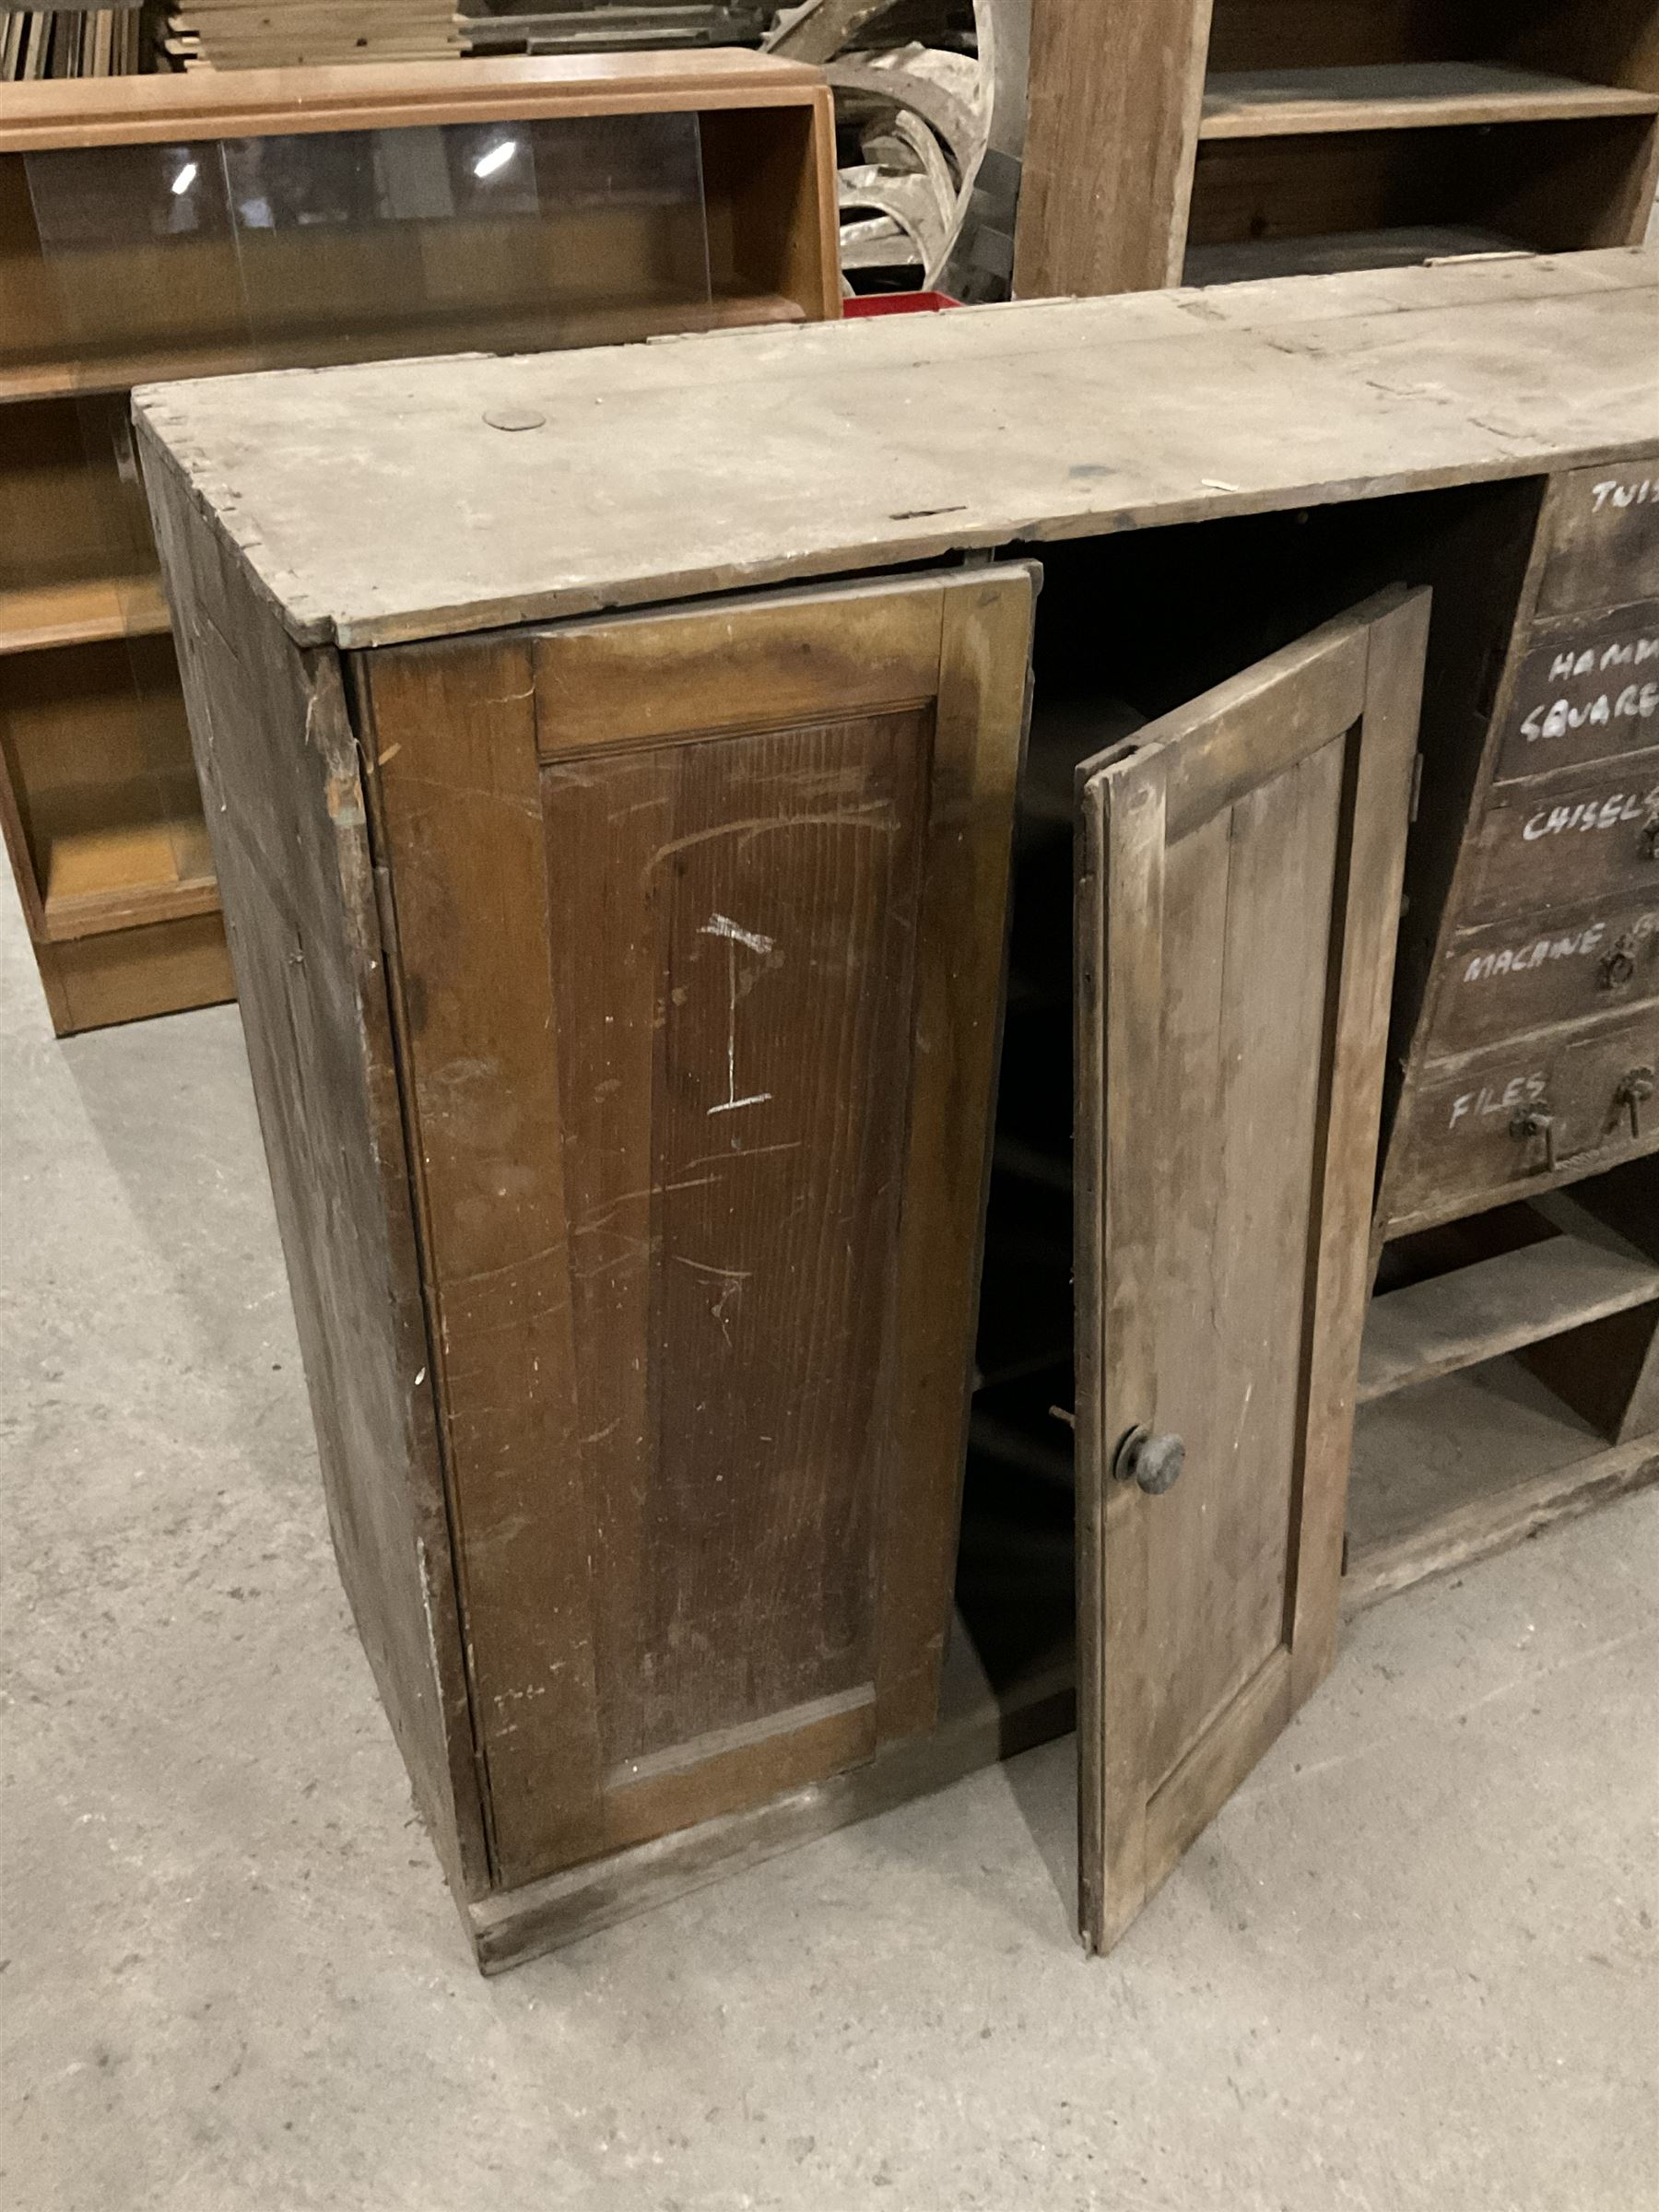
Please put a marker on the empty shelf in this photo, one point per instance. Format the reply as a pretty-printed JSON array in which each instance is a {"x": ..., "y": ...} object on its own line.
[
  {"x": 1401, "y": 96},
  {"x": 83, "y": 612},
  {"x": 1498, "y": 1305},
  {"x": 1243, "y": 261}
]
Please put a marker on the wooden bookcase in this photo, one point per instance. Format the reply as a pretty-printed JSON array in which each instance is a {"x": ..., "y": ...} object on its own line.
[
  {"x": 1208, "y": 141},
  {"x": 674, "y": 880},
  {"x": 193, "y": 225}
]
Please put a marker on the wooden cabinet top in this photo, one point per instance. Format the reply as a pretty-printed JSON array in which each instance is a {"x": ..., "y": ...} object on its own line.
[
  {"x": 123, "y": 111},
  {"x": 408, "y": 500}
]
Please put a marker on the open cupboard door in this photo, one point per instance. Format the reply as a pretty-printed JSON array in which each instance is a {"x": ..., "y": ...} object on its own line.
[{"x": 1239, "y": 867}]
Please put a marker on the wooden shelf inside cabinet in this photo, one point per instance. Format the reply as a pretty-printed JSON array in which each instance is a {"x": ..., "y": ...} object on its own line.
[
  {"x": 1499, "y": 1305},
  {"x": 83, "y": 611},
  {"x": 1404, "y": 96},
  {"x": 71, "y": 915},
  {"x": 1201, "y": 125},
  {"x": 1402, "y": 246}
]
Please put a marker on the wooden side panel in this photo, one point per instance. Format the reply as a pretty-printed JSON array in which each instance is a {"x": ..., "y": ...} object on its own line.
[
  {"x": 1116, "y": 87},
  {"x": 1223, "y": 1191},
  {"x": 132, "y": 974},
  {"x": 285, "y": 803},
  {"x": 700, "y": 920}
]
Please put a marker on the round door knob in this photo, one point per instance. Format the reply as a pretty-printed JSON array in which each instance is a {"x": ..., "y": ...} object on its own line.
[{"x": 1152, "y": 1463}]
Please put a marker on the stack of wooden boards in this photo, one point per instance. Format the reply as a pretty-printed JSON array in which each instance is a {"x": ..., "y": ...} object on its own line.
[
  {"x": 289, "y": 34},
  {"x": 68, "y": 42}
]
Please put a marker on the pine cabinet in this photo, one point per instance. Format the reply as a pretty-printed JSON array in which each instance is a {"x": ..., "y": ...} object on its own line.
[{"x": 827, "y": 1002}]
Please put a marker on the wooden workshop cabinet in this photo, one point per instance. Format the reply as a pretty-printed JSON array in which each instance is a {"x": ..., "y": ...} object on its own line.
[
  {"x": 821, "y": 1010},
  {"x": 182, "y": 225}
]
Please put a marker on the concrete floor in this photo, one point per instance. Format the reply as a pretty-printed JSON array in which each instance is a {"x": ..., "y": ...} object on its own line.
[{"x": 1413, "y": 1964}]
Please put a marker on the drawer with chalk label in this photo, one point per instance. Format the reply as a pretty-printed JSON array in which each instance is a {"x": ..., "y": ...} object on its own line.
[
  {"x": 1601, "y": 537},
  {"x": 1587, "y": 690},
  {"x": 1515, "y": 976},
  {"x": 1480, "y": 1130},
  {"x": 1566, "y": 840}
]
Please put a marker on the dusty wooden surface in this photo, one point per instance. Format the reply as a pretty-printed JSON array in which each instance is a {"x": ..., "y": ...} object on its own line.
[{"x": 377, "y": 504}]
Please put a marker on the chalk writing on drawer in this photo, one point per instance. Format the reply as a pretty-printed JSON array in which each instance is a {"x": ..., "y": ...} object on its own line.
[
  {"x": 1570, "y": 944},
  {"x": 1623, "y": 492},
  {"x": 1520, "y": 1091},
  {"x": 1594, "y": 707},
  {"x": 1592, "y": 813}
]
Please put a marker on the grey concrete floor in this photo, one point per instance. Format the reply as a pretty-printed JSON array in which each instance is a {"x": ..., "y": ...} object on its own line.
[{"x": 1413, "y": 1964}]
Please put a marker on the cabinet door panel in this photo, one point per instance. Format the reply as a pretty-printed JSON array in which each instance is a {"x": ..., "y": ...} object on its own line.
[
  {"x": 1237, "y": 898},
  {"x": 699, "y": 920}
]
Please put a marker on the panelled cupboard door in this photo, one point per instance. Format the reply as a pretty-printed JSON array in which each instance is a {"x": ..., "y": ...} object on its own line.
[
  {"x": 1238, "y": 885},
  {"x": 699, "y": 920}
]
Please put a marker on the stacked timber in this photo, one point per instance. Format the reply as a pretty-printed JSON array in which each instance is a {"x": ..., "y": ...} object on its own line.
[{"x": 286, "y": 35}]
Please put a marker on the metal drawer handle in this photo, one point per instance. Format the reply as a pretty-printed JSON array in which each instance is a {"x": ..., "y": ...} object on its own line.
[
  {"x": 1618, "y": 964},
  {"x": 1634, "y": 1090},
  {"x": 1154, "y": 1463},
  {"x": 1538, "y": 1121}
]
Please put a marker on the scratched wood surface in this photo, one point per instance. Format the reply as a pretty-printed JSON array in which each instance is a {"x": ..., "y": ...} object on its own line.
[
  {"x": 896, "y": 438},
  {"x": 700, "y": 923},
  {"x": 280, "y": 765},
  {"x": 1242, "y": 872}
]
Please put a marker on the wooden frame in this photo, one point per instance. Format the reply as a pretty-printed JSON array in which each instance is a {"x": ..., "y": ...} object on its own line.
[{"x": 80, "y": 573}]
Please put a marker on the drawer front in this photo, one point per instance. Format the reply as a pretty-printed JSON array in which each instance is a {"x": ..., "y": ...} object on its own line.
[
  {"x": 1574, "y": 843},
  {"x": 1601, "y": 530},
  {"x": 1588, "y": 689},
  {"x": 1515, "y": 977},
  {"x": 1474, "y": 1132}
]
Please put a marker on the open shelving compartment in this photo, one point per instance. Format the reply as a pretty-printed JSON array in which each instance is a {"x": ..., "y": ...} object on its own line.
[
  {"x": 1224, "y": 140},
  {"x": 152, "y": 228},
  {"x": 1372, "y": 136},
  {"x": 1509, "y": 1374}
]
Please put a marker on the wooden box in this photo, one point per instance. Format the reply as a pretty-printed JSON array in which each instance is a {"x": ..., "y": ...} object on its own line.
[
  {"x": 635, "y": 888},
  {"x": 187, "y": 224}
]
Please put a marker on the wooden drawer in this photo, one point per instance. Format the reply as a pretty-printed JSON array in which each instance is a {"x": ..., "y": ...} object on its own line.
[
  {"x": 1567, "y": 841},
  {"x": 1601, "y": 535},
  {"x": 1512, "y": 978},
  {"x": 1465, "y": 1139},
  {"x": 1588, "y": 689}
]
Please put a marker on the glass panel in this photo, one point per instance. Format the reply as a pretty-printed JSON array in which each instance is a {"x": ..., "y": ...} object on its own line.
[
  {"x": 351, "y": 244},
  {"x": 30, "y": 320},
  {"x": 167, "y": 750},
  {"x": 495, "y": 235},
  {"x": 91, "y": 744},
  {"x": 139, "y": 247},
  {"x": 77, "y": 559}
]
